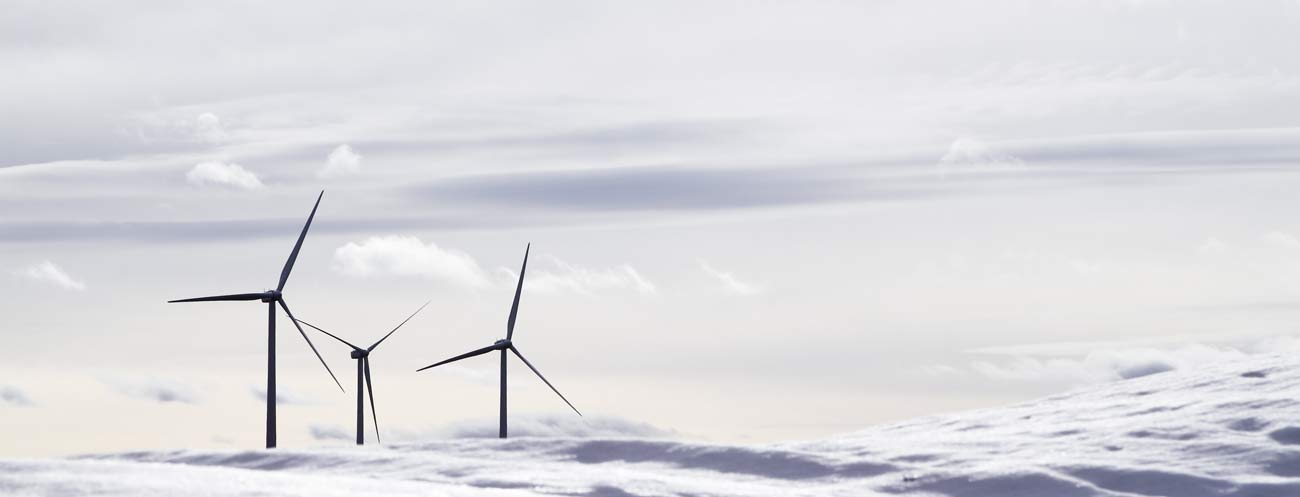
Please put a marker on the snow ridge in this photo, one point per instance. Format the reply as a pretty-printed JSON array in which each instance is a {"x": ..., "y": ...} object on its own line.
[{"x": 1229, "y": 429}]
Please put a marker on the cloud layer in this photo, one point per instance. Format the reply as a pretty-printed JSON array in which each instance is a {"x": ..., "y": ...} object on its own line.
[{"x": 665, "y": 188}]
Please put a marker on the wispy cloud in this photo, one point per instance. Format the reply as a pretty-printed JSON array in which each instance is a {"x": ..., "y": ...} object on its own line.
[
  {"x": 398, "y": 255},
  {"x": 173, "y": 129},
  {"x": 730, "y": 282},
  {"x": 1081, "y": 363},
  {"x": 343, "y": 161},
  {"x": 562, "y": 277},
  {"x": 51, "y": 273},
  {"x": 664, "y": 188},
  {"x": 282, "y": 396},
  {"x": 1231, "y": 148},
  {"x": 227, "y": 229},
  {"x": 155, "y": 389},
  {"x": 1212, "y": 246},
  {"x": 12, "y": 396},
  {"x": 601, "y": 139},
  {"x": 207, "y": 127},
  {"x": 557, "y": 426},
  {"x": 330, "y": 432},
  {"x": 1283, "y": 240},
  {"x": 971, "y": 155},
  {"x": 229, "y": 175},
  {"x": 477, "y": 376}
]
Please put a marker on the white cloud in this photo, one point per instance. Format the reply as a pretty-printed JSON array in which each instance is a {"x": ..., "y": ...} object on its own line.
[
  {"x": 343, "y": 161},
  {"x": 158, "y": 390},
  {"x": 398, "y": 255},
  {"x": 567, "y": 277},
  {"x": 1282, "y": 240},
  {"x": 51, "y": 273},
  {"x": 729, "y": 281},
  {"x": 12, "y": 396},
  {"x": 223, "y": 174}
]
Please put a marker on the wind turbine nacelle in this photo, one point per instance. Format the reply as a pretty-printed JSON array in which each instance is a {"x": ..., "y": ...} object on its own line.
[
  {"x": 270, "y": 296},
  {"x": 357, "y": 354}
]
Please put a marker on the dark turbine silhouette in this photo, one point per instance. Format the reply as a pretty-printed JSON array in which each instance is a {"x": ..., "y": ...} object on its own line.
[
  {"x": 363, "y": 368},
  {"x": 272, "y": 298},
  {"x": 507, "y": 345}
]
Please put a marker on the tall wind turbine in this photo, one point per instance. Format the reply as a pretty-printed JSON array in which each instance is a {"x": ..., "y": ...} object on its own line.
[
  {"x": 363, "y": 367},
  {"x": 506, "y": 345},
  {"x": 272, "y": 298}
]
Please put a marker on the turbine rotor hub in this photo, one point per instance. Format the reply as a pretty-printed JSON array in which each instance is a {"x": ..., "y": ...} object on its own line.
[
  {"x": 270, "y": 296},
  {"x": 360, "y": 353}
]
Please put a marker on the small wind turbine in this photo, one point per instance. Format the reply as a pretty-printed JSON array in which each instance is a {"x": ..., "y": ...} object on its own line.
[
  {"x": 363, "y": 367},
  {"x": 503, "y": 346},
  {"x": 273, "y": 297}
]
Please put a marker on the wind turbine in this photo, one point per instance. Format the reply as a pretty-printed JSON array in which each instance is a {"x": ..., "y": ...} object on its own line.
[
  {"x": 271, "y": 298},
  {"x": 506, "y": 345},
  {"x": 363, "y": 366}
]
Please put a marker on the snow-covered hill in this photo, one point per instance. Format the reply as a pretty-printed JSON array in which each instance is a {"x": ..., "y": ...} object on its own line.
[{"x": 1230, "y": 429}]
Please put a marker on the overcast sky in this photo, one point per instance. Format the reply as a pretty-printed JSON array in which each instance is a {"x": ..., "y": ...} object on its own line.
[{"x": 750, "y": 221}]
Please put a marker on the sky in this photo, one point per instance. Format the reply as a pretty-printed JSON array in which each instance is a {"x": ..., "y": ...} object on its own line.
[{"x": 750, "y": 221}]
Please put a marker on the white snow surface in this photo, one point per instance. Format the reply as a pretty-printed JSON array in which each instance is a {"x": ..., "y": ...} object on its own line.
[{"x": 1227, "y": 429}]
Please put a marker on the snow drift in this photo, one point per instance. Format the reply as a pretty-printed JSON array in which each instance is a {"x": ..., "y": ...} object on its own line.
[{"x": 1231, "y": 429}]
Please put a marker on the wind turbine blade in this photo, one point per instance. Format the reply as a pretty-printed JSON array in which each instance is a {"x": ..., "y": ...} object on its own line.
[
  {"x": 373, "y": 415},
  {"x": 466, "y": 355},
  {"x": 408, "y": 318},
  {"x": 539, "y": 375},
  {"x": 237, "y": 296},
  {"x": 293, "y": 256},
  {"x": 317, "y": 328},
  {"x": 514, "y": 308},
  {"x": 309, "y": 344}
]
